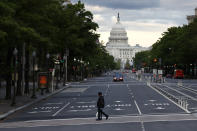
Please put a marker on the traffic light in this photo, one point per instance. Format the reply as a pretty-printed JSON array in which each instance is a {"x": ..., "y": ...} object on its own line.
[
  {"x": 62, "y": 61},
  {"x": 155, "y": 60}
]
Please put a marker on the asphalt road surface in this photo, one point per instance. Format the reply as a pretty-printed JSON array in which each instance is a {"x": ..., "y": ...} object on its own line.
[{"x": 132, "y": 106}]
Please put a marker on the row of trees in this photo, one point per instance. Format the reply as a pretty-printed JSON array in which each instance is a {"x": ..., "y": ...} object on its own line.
[
  {"x": 176, "y": 48},
  {"x": 47, "y": 27}
]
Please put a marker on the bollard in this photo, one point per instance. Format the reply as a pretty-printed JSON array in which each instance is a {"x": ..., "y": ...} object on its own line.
[
  {"x": 179, "y": 83},
  {"x": 140, "y": 78},
  {"x": 164, "y": 80},
  {"x": 186, "y": 105},
  {"x": 179, "y": 102},
  {"x": 183, "y": 103}
]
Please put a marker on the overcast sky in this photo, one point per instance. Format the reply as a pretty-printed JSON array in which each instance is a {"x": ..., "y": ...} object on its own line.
[{"x": 144, "y": 20}]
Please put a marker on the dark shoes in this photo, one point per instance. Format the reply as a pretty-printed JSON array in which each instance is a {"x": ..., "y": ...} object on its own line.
[
  {"x": 101, "y": 119},
  {"x": 98, "y": 119}
]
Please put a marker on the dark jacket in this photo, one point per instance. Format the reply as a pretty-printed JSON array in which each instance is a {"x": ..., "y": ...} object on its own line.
[{"x": 101, "y": 102}]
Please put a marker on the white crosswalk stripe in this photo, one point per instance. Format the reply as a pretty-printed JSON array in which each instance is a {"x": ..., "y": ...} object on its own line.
[{"x": 88, "y": 121}]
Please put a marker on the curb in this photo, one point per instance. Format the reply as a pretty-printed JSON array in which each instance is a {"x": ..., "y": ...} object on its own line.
[{"x": 3, "y": 116}]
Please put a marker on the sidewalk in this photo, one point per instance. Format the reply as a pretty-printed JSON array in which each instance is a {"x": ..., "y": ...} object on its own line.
[{"x": 23, "y": 101}]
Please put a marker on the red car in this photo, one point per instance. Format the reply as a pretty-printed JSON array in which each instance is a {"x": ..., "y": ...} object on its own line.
[{"x": 178, "y": 73}]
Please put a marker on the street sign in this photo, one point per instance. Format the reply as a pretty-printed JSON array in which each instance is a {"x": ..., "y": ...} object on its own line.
[
  {"x": 154, "y": 71},
  {"x": 160, "y": 72}
]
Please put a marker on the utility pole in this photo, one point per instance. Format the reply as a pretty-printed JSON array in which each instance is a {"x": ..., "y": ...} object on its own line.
[
  {"x": 65, "y": 71},
  {"x": 65, "y": 66},
  {"x": 23, "y": 69},
  {"x": 15, "y": 52},
  {"x": 67, "y": 54}
]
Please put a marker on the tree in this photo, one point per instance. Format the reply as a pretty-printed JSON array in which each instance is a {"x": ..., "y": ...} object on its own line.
[
  {"x": 142, "y": 59},
  {"x": 127, "y": 65},
  {"x": 118, "y": 64},
  {"x": 177, "y": 46},
  {"x": 48, "y": 26}
]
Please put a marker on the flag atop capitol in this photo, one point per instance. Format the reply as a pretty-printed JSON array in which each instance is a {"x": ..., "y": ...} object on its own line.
[{"x": 118, "y": 46}]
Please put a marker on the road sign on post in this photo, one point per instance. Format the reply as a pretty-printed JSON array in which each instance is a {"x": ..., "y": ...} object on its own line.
[
  {"x": 52, "y": 78},
  {"x": 160, "y": 74},
  {"x": 155, "y": 75}
]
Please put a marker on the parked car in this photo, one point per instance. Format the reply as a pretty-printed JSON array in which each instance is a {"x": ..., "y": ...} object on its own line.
[
  {"x": 168, "y": 75},
  {"x": 178, "y": 73},
  {"x": 118, "y": 77}
]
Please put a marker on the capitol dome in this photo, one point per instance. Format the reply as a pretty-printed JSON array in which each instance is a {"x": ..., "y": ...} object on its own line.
[
  {"x": 118, "y": 46},
  {"x": 118, "y": 35}
]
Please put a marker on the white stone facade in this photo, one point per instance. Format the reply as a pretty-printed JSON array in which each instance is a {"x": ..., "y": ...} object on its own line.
[{"x": 118, "y": 45}]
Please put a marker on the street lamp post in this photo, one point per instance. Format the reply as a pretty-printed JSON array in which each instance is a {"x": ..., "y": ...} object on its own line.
[
  {"x": 47, "y": 56},
  {"x": 15, "y": 52},
  {"x": 75, "y": 67},
  {"x": 88, "y": 69},
  {"x": 65, "y": 70},
  {"x": 78, "y": 69},
  {"x": 66, "y": 64},
  {"x": 81, "y": 69},
  {"x": 57, "y": 72},
  {"x": 34, "y": 56}
]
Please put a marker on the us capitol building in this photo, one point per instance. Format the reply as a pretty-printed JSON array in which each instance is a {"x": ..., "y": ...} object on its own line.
[{"x": 118, "y": 46}]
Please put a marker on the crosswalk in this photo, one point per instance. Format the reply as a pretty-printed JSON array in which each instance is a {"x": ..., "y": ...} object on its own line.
[{"x": 89, "y": 121}]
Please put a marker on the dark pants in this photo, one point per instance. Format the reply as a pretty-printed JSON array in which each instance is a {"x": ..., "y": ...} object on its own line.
[{"x": 100, "y": 112}]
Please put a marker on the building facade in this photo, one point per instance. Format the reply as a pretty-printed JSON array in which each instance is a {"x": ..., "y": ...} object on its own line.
[
  {"x": 192, "y": 17},
  {"x": 118, "y": 46}
]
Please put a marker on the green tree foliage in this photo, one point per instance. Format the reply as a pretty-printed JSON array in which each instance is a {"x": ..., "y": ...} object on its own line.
[
  {"x": 127, "y": 65},
  {"x": 142, "y": 59},
  {"x": 49, "y": 26},
  {"x": 118, "y": 64},
  {"x": 177, "y": 47}
]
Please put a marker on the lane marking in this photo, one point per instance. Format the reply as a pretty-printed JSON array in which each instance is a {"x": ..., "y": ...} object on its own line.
[
  {"x": 53, "y": 103},
  {"x": 152, "y": 100},
  {"x": 34, "y": 112},
  {"x": 87, "y": 102},
  {"x": 142, "y": 126},
  {"x": 61, "y": 109},
  {"x": 159, "y": 108},
  {"x": 138, "y": 107},
  {"x": 118, "y": 109},
  {"x": 118, "y": 101},
  {"x": 107, "y": 90},
  {"x": 79, "y": 110}
]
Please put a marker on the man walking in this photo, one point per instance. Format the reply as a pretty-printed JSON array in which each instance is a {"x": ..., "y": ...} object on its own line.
[{"x": 100, "y": 106}]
